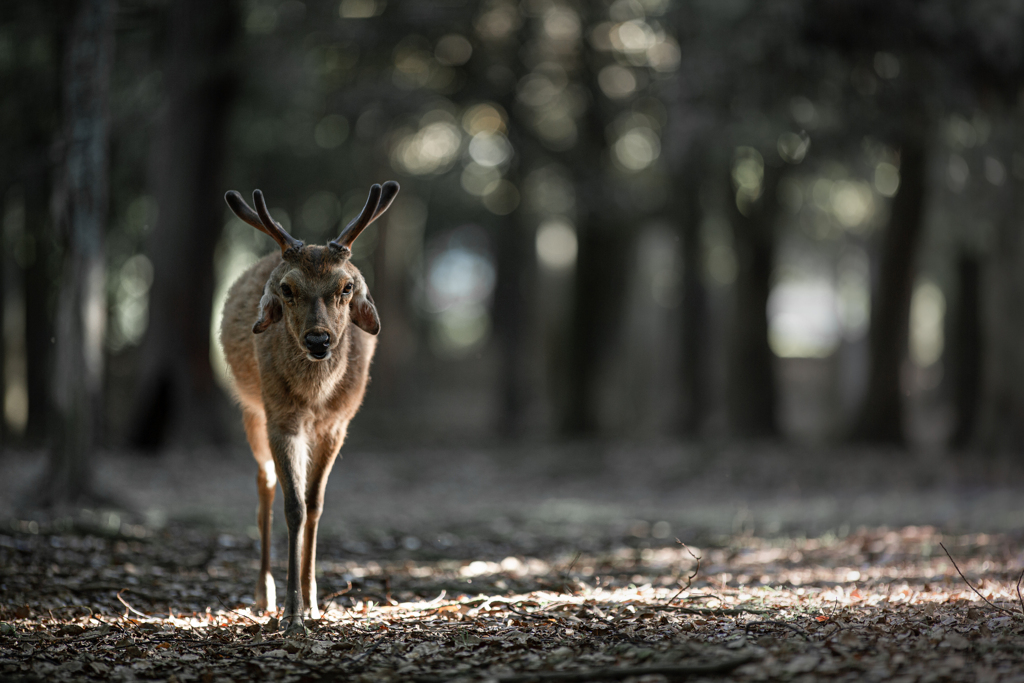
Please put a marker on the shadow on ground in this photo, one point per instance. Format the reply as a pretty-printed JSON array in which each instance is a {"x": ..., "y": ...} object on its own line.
[{"x": 532, "y": 564}]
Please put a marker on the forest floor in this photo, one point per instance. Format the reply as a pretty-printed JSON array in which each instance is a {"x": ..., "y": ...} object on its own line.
[{"x": 571, "y": 563}]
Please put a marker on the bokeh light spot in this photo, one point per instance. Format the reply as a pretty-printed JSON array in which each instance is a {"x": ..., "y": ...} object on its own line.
[
  {"x": 556, "y": 244},
  {"x": 616, "y": 81},
  {"x": 927, "y": 313},
  {"x": 887, "y": 179},
  {"x": 453, "y": 50},
  {"x": 637, "y": 149}
]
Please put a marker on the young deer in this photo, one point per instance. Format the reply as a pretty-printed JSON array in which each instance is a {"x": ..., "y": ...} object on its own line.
[{"x": 300, "y": 374}]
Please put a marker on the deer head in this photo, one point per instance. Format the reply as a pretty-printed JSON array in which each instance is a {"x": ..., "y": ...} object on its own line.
[{"x": 315, "y": 290}]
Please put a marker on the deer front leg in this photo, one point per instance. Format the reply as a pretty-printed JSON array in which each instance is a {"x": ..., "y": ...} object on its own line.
[
  {"x": 324, "y": 455},
  {"x": 266, "y": 484},
  {"x": 290, "y": 458}
]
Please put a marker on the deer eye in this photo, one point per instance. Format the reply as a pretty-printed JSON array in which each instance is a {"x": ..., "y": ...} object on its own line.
[
  {"x": 347, "y": 289},
  {"x": 287, "y": 291}
]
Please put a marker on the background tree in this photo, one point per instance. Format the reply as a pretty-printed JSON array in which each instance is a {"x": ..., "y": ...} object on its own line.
[
  {"x": 612, "y": 216},
  {"x": 33, "y": 40},
  {"x": 881, "y": 418},
  {"x": 177, "y": 396},
  {"x": 80, "y": 203},
  {"x": 751, "y": 384}
]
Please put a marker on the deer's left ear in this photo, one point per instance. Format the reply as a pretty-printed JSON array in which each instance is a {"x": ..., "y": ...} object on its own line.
[
  {"x": 271, "y": 311},
  {"x": 364, "y": 312}
]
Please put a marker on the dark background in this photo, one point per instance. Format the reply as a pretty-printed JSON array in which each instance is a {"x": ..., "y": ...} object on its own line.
[{"x": 647, "y": 221}]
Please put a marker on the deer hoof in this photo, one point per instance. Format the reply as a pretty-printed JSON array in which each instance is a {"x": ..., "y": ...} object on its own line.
[{"x": 293, "y": 626}]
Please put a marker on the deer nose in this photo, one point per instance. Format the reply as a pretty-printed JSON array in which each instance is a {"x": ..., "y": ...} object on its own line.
[{"x": 317, "y": 343}]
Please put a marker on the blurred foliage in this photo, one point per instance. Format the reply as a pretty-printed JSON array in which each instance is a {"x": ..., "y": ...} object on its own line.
[{"x": 566, "y": 148}]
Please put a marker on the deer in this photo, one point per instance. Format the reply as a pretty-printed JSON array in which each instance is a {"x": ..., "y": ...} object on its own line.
[{"x": 300, "y": 373}]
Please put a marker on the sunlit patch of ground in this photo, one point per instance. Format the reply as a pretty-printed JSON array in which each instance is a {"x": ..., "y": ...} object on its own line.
[{"x": 81, "y": 599}]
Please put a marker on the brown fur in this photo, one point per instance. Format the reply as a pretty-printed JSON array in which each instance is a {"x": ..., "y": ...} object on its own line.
[{"x": 297, "y": 408}]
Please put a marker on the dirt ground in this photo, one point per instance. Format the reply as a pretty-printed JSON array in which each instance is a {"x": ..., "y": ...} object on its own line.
[{"x": 547, "y": 563}]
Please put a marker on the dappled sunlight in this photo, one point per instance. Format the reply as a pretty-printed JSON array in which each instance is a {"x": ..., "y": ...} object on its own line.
[
  {"x": 802, "y": 319},
  {"x": 927, "y": 319},
  {"x": 431, "y": 149},
  {"x": 177, "y": 601},
  {"x": 556, "y": 244}
]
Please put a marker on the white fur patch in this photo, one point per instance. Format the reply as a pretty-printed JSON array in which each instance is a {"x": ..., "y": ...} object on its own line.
[{"x": 270, "y": 473}]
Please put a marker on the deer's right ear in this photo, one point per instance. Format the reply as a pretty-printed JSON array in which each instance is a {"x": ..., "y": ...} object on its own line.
[{"x": 270, "y": 311}]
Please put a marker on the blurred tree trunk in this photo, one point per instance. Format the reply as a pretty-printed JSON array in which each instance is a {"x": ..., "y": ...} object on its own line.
[
  {"x": 603, "y": 234},
  {"x": 80, "y": 206},
  {"x": 3, "y": 322},
  {"x": 1000, "y": 425},
  {"x": 30, "y": 124},
  {"x": 598, "y": 292},
  {"x": 964, "y": 364},
  {"x": 694, "y": 318},
  {"x": 881, "y": 416},
  {"x": 750, "y": 389},
  {"x": 39, "y": 288},
  {"x": 12, "y": 313},
  {"x": 177, "y": 396},
  {"x": 515, "y": 274}
]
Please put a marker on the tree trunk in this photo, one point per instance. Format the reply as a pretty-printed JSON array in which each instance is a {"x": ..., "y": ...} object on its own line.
[
  {"x": 964, "y": 364},
  {"x": 694, "y": 318},
  {"x": 881, "y": 416},
  {"x": 4, "y": 277},
  {"x": 1001, "y": 418},
  {"x": 39, "y": 330},
  {"x": 178, "y": 399},
  {"x": 604, "y": 233},
  {"x": 598, "y": 294},
  {"x": 80, "y": 204},
  {"x": 515, "y": 273},
  {"x": 750, "y": 390}
]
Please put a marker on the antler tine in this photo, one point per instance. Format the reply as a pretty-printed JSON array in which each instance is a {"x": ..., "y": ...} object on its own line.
[
  {"x": 273, "y": 228},
  {"x": 242, "y": 210},
  {"x": 358, "y": 224},
  {"x": 388, "y": 193}
]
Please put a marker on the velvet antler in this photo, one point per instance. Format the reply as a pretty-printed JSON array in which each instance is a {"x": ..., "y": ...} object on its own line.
[
  {"x": 377, "y": 203},
  {"x": 261, "y": 219}
]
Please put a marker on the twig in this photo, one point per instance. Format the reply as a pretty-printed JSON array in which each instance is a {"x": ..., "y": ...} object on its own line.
[
  {"x": 527, "y": 614},
  {"x": 955, "y": 566},
  {"x": 712, "y": 611},
  {"x": 575, "y": 559},
  {"x": 245, "y": 616},
  {"x": 129, "y": 608},
  {"x": 338, "y": 594},
  {"x": 364, "y": 655},
  {"x": 839, "y": 627},
  {"x": 834, "y": 608},
  {"x": 613, "y": 673},
  {"x": 796, "y": 629},
  {"x": 433, "y": 602},
  {"x": 568, "y": 570},
  {"x": 91, "y": 635},
  {"x": 108, "y": 623},
  {"x": 691, "y": 577}
]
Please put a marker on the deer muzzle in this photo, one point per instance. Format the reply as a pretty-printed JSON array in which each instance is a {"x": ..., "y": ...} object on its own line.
[{"x": 318, "y": 344}]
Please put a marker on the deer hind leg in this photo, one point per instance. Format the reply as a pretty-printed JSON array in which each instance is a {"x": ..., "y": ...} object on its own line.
[
  {"x": 266, "y": 486},
  {"x": 324, "y": 454}
]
